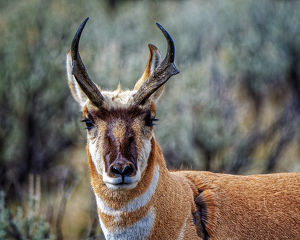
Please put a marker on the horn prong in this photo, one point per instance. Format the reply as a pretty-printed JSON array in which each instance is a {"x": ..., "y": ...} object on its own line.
[{"x": 160, "y": 75}]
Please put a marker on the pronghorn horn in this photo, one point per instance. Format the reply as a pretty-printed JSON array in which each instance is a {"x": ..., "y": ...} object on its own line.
[
  {"x": 160, "y": 75},
  {"x": 80, "y": 73}
]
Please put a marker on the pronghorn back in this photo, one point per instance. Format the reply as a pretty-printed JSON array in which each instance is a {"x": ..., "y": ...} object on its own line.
[
  {"x": 139, "y": 198},
  {"x": 265, "y": 206}
]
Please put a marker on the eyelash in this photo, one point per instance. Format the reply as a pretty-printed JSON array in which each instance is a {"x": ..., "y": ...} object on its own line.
[
  {"x": 89, "y": 123},
  {"x": 149, "y": 121}
]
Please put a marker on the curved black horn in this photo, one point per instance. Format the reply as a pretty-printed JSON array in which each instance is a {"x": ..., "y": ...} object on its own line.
[
  {"x": 160, "y": 75},
  {"x": 171, "y": 48},
  {"x": 80, "y": 73}
]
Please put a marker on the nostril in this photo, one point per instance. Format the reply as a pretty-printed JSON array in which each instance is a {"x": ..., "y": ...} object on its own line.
[
  {"x": 127, "y": 170},
  {"x": 116, "y": 170},
  {"x": 121, "y": 169}
]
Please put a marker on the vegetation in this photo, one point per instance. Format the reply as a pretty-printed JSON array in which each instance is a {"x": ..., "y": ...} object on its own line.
[
  {"x": 22, "y": 225},
  {"x": 235, "y": 106}
]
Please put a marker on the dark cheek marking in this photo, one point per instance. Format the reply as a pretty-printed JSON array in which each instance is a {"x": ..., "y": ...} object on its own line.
[
  {"x": 129, "y": 149},
  {"x": 132, "y": 145},
  {"x": 110, "y": 149}
]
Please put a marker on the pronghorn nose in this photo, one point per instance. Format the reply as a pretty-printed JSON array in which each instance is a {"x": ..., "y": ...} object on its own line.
[{"x": 121, "y": 168}]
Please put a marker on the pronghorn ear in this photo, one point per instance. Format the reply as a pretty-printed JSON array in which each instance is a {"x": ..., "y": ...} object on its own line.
[
  {"x": 154, "y": 61},
  {"x": 76, "y": 91}
]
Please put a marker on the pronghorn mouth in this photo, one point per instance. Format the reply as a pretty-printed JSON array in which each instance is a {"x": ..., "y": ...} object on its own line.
[
  {"x": 121, "y": 185},
  {"x": 124, "y": 182}
]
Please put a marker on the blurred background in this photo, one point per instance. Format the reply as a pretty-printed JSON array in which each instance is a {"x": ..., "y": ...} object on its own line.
[{"x": 234, "y": 108}]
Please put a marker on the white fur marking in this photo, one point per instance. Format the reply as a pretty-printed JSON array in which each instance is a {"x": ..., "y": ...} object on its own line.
[
  {"x": 95, "y": 155},
  {"x": 117, "y": 98},
  {"x": 139, "y": 231},
  {"x": 111, "y": 183},
  {"x": 181, "y": 235},
  {"x": 144, "y": 155},
  {"x": 143, "y": 199},
  {"x": 134, "y": 204}
]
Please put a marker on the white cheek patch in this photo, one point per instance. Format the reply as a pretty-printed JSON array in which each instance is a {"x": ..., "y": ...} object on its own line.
[
  {"x": 96, "y": 154},
  {"x": 144, "y": 155},
  {"x": 139, "y": 230}
]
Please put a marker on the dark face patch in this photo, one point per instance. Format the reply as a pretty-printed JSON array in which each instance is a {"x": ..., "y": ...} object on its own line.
[{"x": 125, "y": 129}]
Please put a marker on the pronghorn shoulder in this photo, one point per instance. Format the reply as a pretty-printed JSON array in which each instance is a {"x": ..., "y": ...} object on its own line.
[
  {"x": 200, "y": 180},
  {"x": 203, "y": 185}
]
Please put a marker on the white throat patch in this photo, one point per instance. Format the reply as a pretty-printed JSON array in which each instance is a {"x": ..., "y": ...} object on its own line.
[
  {"x": 142, "y": 228},
  {"x": 139, "y": 230}
]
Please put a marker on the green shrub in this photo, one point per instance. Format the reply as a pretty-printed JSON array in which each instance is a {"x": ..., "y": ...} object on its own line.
[{"x": 22, "y": 225}]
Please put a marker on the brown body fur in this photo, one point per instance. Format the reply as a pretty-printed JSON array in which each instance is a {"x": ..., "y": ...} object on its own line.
[{"x": 251, "y": 207}]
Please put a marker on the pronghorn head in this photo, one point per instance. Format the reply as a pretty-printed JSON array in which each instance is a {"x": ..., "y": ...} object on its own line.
[{"x": 120, "y": 123}]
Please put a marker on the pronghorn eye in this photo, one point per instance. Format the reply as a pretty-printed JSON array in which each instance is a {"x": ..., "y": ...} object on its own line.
[
  {"x": 89, "y": 123},
  {"x": 149, "y": 121}
]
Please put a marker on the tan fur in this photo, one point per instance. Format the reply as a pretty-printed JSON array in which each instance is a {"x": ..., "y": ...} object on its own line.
[
  {"x": 119, "y": 130},
  {"x": 124, "y": 219},
  {"x": 250, "y": 207}
]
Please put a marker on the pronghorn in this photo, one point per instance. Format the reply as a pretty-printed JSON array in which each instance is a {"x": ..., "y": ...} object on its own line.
[{"x": 138, "y": 198}]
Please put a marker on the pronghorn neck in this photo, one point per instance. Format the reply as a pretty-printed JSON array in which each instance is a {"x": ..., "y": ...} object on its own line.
[{"x": 138, "y": 212}]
